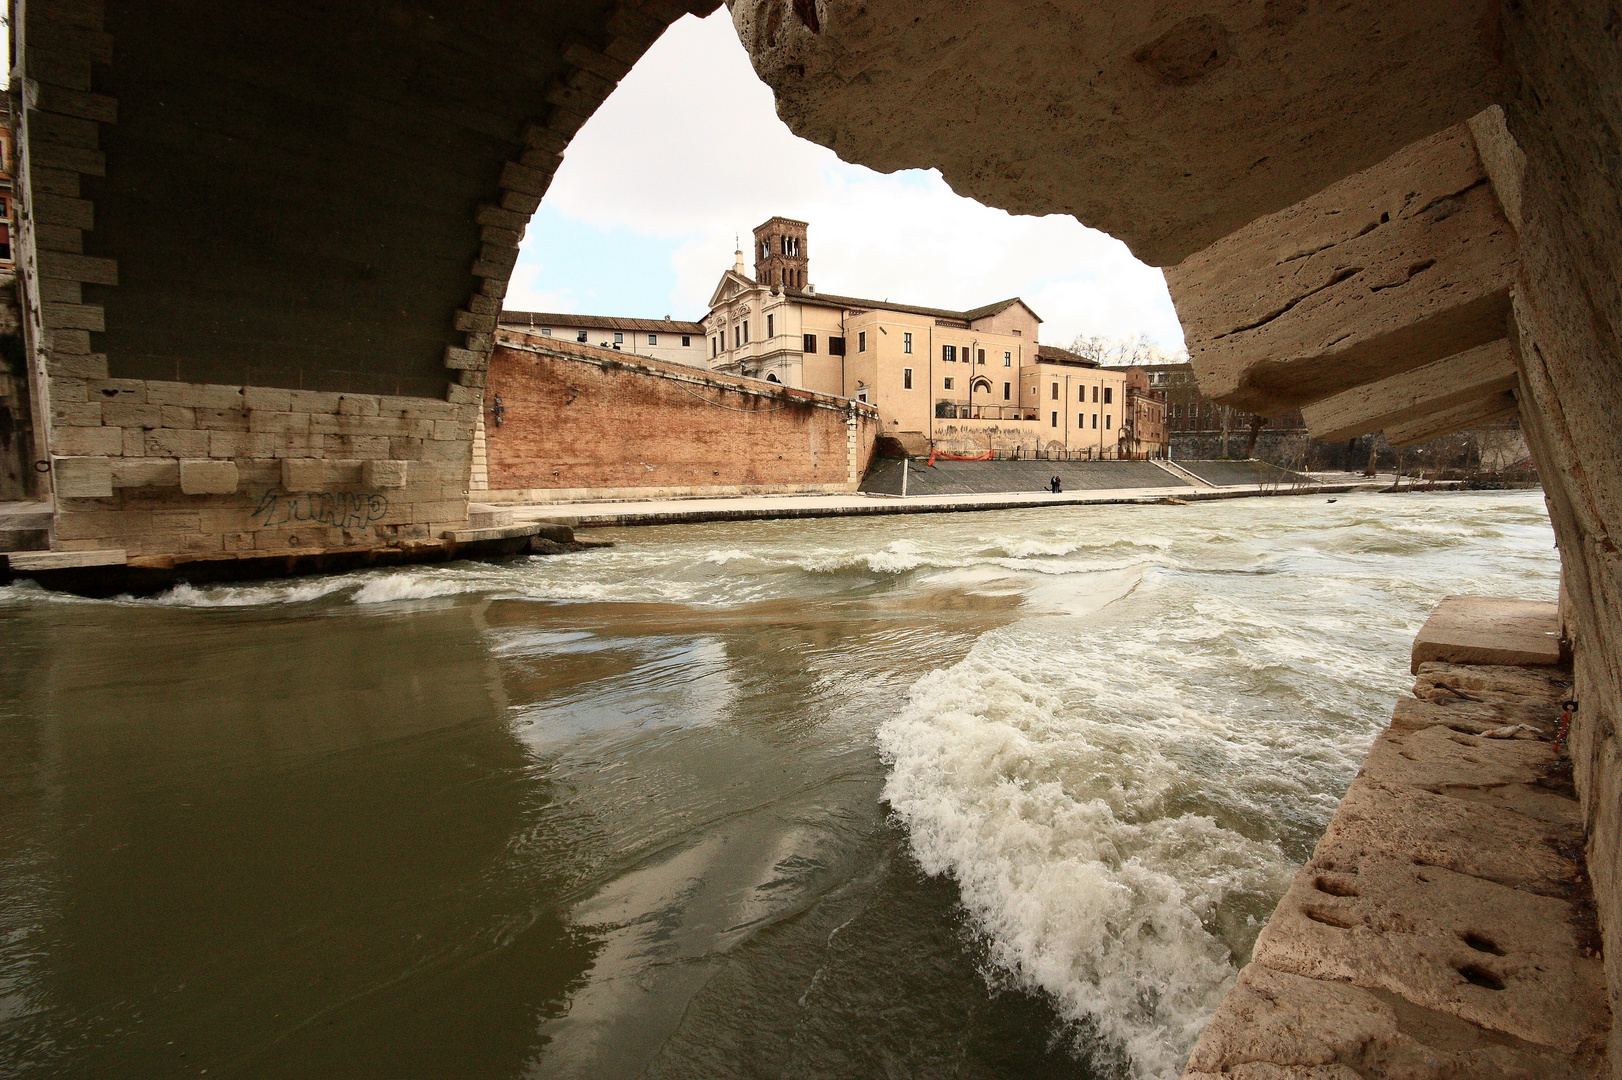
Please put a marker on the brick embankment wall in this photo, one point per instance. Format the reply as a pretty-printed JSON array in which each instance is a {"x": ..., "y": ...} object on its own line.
[{"x": 587, "y": 423}]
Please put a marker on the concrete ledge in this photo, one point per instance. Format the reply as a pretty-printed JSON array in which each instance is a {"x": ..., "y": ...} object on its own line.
[
  {"x": 1489, "y": 630},
  {"x": 500, "y": 532}
]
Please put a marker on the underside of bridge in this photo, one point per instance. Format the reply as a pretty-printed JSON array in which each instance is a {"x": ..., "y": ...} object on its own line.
[{"x": 264, "y": 246}]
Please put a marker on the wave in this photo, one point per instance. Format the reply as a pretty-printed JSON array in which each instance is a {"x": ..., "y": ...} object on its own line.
[{"x": 1081, "y": 850}]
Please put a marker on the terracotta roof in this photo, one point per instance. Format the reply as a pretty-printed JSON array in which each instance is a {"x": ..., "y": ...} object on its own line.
[
  {"x": 831, "y": 300},
  {"x": 598, "y": 322},
  {"x": 1052, "y": 354}
]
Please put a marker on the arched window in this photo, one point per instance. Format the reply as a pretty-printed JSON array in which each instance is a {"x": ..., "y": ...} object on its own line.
[
  {"x": 773, "y": 378},
  {"x": 980, "y": 386}
]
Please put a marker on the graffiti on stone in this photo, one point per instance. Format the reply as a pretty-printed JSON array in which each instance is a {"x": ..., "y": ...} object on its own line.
[{"x": 342, "y": 509}]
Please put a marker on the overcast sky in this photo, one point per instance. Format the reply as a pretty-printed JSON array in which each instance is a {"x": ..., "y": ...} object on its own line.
[{"x": 688, "y": 151}]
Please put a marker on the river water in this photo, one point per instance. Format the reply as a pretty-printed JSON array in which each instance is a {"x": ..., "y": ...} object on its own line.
[{"x": 971, "y": 795}]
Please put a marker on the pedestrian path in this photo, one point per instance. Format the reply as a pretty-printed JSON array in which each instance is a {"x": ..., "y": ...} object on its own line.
[{"x": 747, "y": 508}]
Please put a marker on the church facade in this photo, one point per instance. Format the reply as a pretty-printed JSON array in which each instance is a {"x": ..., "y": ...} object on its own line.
[{"x": 961, "y": 381}]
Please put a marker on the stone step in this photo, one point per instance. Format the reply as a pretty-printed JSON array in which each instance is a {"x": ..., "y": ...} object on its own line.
[{"x": 480, "y": 516}]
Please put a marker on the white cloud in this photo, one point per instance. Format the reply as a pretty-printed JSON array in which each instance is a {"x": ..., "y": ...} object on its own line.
[{"x": 688, "y": 151}]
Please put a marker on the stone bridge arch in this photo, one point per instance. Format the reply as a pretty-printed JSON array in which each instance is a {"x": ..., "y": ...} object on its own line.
[{"x": 264, "y": 246}]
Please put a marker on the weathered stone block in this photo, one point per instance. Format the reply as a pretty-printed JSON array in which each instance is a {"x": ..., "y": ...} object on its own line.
[
  {"x": 87, "y": 441},
  {"x": 146, "y": 472},
  {"x": 314, "y": 401},
  {"x": 76, "y": 413},
  {"x": 281, "y": 423},
  {"x": 267, "y": 399},
  {"x": 179, "y": 416},
  {"x": 71, "y": 365},
  {"x": 169, "y": 442},
  {"x": 194, "y": 395},
  {"x": 132, "y": 415},
  {"x": 1478, "y": 373},
  {"x": 117, "y": 390},
  {"x": 205, "y": 476},
  {"x": 230, "y": 444},
  {"x": 384, "y": 474},
  {"x": 82, "y": 477},
  {"x": 1503, "y": 958},
  {"x": 357, "y": 405},
  {"x": 1489, "y": 630},
  {"x": 1435, "y": 425},
  {"x": 1401, "y": 265},
  {"x": 67, "y": 389},
  {"x": 304, "y": 474}
]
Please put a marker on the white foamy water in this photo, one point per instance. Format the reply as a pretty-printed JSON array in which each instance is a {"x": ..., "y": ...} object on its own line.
[{"x": 1123, "y": 797}]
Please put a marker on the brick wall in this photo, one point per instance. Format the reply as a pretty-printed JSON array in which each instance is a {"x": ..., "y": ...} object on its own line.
[
  {"x": 581, "y": 422},
  {"x": 165, "y": 468}
]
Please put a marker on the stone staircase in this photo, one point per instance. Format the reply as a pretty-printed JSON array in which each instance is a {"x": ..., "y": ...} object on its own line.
[{"x": 1182, "y": 473}]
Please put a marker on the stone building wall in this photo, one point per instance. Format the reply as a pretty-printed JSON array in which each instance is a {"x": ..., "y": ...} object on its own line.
[{"x": 586, "y": 423}]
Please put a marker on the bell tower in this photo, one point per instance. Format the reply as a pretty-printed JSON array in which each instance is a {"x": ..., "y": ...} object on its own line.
[{"x": 780, "y": 254}]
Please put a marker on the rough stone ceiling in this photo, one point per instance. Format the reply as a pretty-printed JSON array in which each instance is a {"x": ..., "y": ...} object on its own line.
[{"x": 1166, "y": 125}]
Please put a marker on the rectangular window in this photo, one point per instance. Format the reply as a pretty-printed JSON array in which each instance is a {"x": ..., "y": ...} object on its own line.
[
  {"x": 1106, "y": 421},
  {"x": 581, "y": 336},
  {"x": 746, "y": 331},
  {"x": 737, "y": 337},
  {"x": 715, "y": 346},
  {"x": 811, "y": 343},
  {"x": 982, "y": 356},
  {"x": 836, "y": 346},
  {"x": 687, "y": 341},
  {"x": 1007, "y": 359},
  {"x": 1095, "y": 395},
  {"x": 946, "y": 383},
  {"x": 619, "y": 339},
  {"x": 906, "y": 344},
  {"x": 1055, "y": 420},
  {"x": 1055, "y": 391},
  {"x": 949, "y": 353},
  {"x": 546, "y": 332},
  {"x": 653, "y": 339},
  {"x": 1109, "y": 394},
  {"x": 861, "y": 341},
  {"x": 1081, "y": 419},
  {"x": 1095, "y": 420},
  {"x": 1007, "y": 391},
  {"x": 906, "y": 378},
  {"x": 771, "y": 326}
]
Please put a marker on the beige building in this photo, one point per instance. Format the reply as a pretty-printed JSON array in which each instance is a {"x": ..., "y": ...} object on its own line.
[
  {"x": 661, "y": 339},
  {"x": 958, "y": 381}
]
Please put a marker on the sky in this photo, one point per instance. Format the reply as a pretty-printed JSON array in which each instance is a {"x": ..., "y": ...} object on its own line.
[{"x": 688, "y": 152}]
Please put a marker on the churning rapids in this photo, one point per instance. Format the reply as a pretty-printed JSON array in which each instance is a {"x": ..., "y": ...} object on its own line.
[{"x": 973, "y": 795}]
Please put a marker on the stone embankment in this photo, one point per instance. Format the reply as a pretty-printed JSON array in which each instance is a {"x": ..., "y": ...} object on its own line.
[{"x": 1443, "y": 927}]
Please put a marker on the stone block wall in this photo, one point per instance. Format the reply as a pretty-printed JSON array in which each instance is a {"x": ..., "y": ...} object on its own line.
[
  {"x": 170, "y": 468},
  {"x": 585, "y": 423}
]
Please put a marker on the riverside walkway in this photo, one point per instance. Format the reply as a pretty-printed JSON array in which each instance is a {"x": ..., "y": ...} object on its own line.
[{"x": 748, "y": 508}]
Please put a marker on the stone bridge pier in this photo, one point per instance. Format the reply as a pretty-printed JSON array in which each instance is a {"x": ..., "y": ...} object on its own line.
[
  {"x": 264, "y": 251},
  {"x": 264, "y": 246}
]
